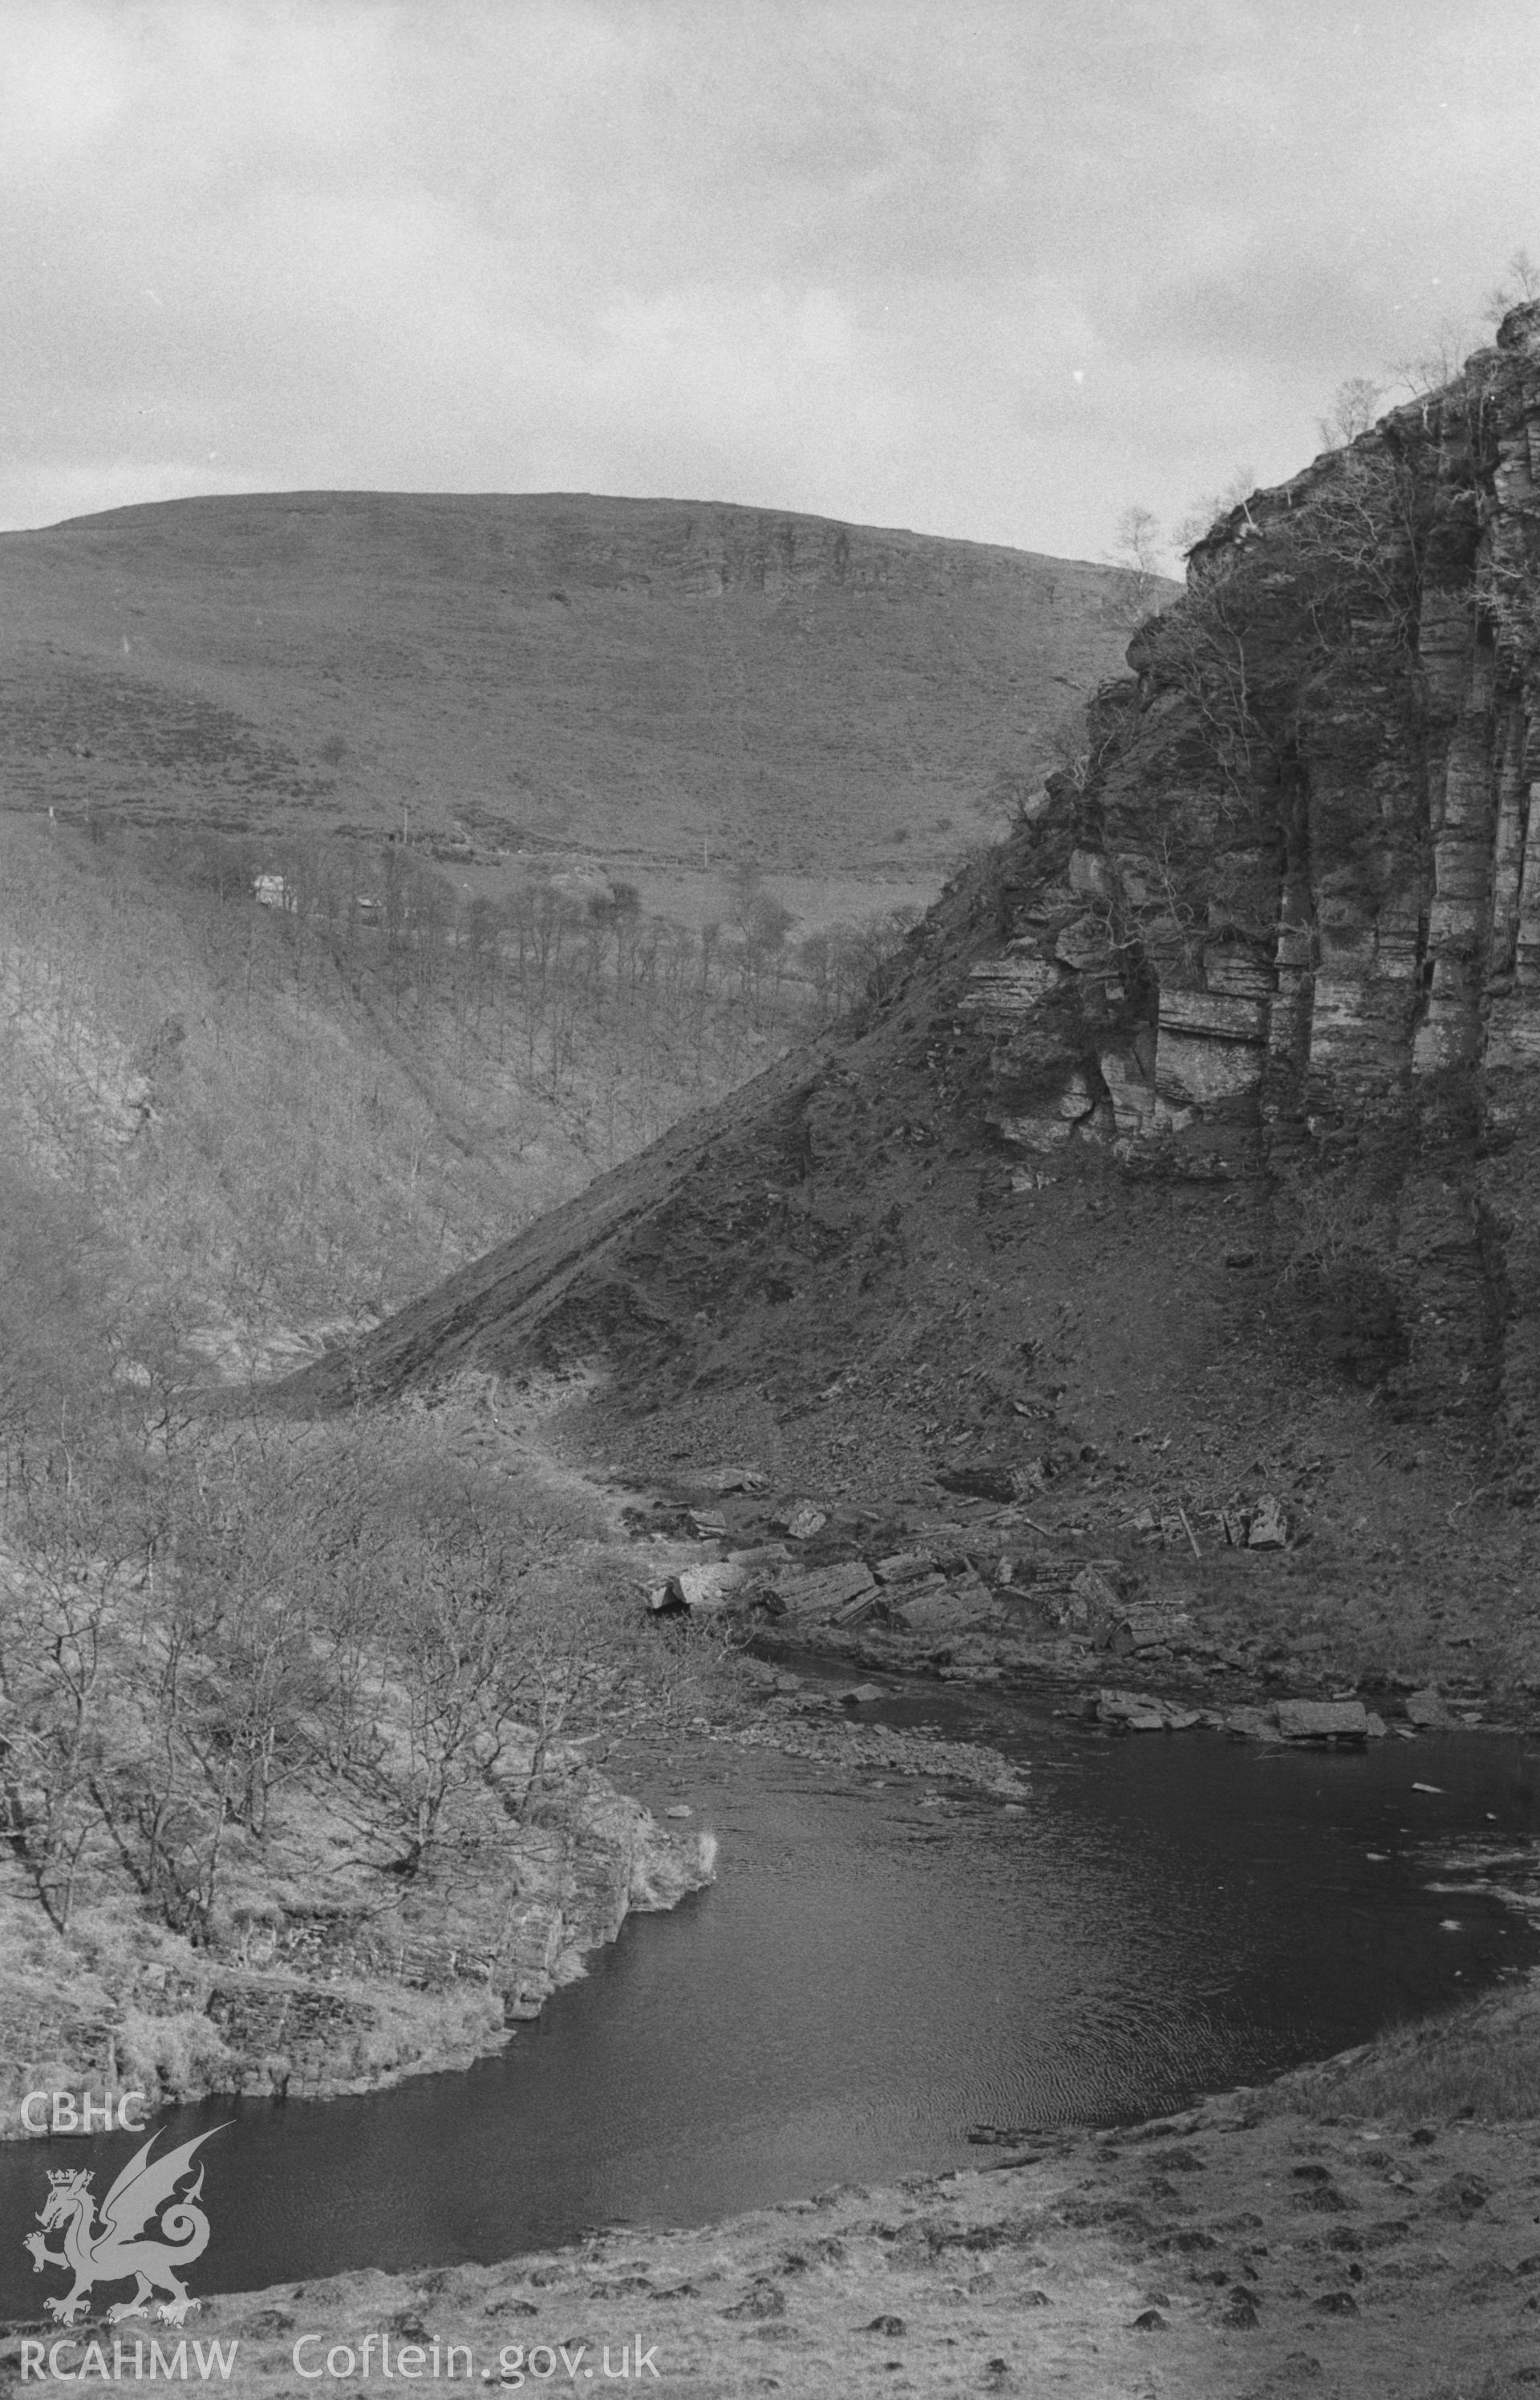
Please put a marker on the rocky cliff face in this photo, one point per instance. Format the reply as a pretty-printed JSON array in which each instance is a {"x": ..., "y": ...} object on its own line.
[{"x": 1286, "y": 919}]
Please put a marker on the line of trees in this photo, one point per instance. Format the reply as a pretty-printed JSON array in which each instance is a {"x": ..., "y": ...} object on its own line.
[{"x": 386, "y": 923}]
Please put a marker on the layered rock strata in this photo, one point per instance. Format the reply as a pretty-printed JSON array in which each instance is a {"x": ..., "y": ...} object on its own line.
[{"x": 1285, "y": 914}]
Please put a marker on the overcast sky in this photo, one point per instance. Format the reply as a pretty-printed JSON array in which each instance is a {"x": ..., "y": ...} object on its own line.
[{"x": 985, "y": 268}]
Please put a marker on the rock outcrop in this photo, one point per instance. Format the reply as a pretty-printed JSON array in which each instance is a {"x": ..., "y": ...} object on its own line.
[
  {"x": 1190, "y": 1149},
  {"x": 1287, "y": 915}
]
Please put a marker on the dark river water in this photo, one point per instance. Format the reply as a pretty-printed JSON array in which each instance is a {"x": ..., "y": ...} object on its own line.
[{"x": 877, "y": 1970}]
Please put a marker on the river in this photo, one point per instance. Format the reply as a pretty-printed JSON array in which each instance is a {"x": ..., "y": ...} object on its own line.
[{"x": 880, "y": 1967}]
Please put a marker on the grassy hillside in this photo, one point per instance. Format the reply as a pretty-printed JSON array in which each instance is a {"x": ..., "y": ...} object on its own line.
[{"x": 653, "y": 683}]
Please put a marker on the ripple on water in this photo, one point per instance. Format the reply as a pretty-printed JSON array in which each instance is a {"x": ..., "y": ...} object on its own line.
[{"x": 869, "y": 1978}]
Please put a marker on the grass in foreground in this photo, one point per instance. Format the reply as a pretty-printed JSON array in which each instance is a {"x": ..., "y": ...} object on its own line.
[{"x": 1480, "y": 2063}]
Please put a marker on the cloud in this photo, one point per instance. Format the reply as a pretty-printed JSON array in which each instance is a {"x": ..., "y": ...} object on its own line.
[{"x": 994, "y": 269}]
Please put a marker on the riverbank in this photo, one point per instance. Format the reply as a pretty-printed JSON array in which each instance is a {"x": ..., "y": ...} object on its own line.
[
  {"x": 335, "y": 1983},
  {"x": 1362, "y": 2227},
  {"x": 1099, "y": 2224},
  {"x": 303, "y": 1795}
]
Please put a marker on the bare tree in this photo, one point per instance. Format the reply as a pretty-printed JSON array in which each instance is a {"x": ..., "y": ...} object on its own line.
[
  {"x": 1138, "y": 548},
  {"x": 1352, "y": 412},
  {"x": 1429, "y": 370},
  {"x": 1205, "y": 514},
  {"x": 1523, "y": 284}
]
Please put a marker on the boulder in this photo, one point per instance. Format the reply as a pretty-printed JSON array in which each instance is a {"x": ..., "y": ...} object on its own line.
[
  {"x": 1140, "y": 1711},
  {"x": 1094, "y": 1606},
  {"x": 1143, "y": 1629},
  {"x": 1429, "y": 1707},
  {"x": 1095, "y": 1595},
  {"x": 1323, "y": 1721},
  {"x": 1269, "y": 1529},
  {"x": 1253, "y": 1724},
  {"x": 806, "y": 1520},
  {"x": 705, "y": 1590},
  {"x": 730, "y": 1478}
]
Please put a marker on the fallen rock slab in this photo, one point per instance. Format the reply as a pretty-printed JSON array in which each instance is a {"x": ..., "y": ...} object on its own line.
[
  {"x": 817, "y": 1591},
  {"x": 704, "y": 1589},
  {"x": 942, "y": 1607},
  {"x": 762, "y": 1554},
  {"x": 1323, "y": 1719},
  {"x": 855, "y": 1610},
  {"x": 904, "y": 1566}
]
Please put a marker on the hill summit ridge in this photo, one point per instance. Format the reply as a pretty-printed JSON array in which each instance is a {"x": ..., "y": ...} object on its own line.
[{"x": 650, "y": 678}]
